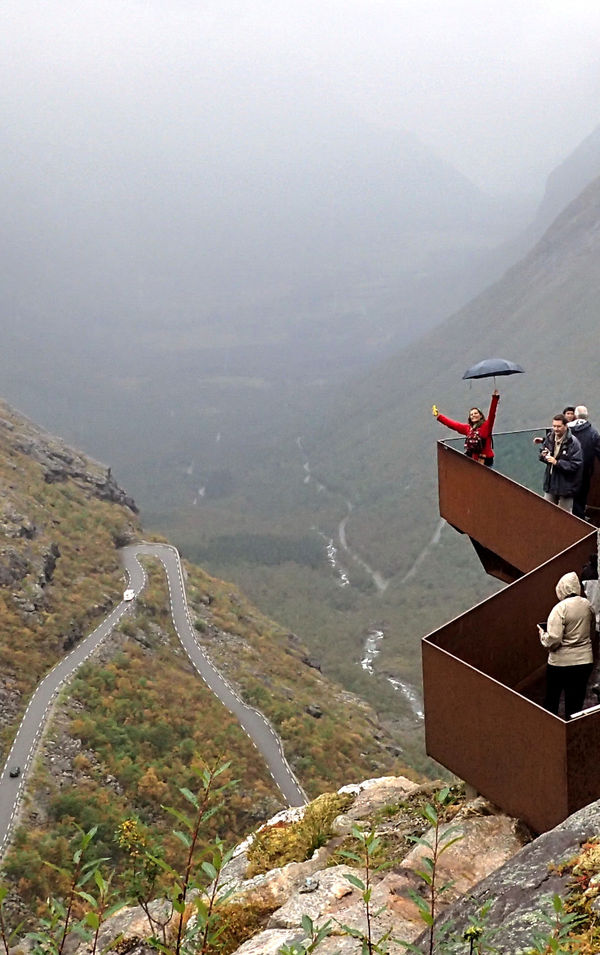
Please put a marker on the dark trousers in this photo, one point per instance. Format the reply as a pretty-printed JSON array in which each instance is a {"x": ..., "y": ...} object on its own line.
[
  {"x": 571, "y": 680},
  {"x": 580, "y": 497}
]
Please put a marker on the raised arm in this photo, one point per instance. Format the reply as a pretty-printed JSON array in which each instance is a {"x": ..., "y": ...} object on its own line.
[
  {"x": 449, "y": 423},
  {"x": 491, "y": 418}
]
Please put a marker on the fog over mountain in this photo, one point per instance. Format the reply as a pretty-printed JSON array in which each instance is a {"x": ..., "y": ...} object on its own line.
[{"x": 213, "y": 212}]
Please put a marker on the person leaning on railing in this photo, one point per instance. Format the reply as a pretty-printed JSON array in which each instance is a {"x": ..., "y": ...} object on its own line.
[
  {"x": 477, "y": 431},
  {"x": 568, "y": 637}
]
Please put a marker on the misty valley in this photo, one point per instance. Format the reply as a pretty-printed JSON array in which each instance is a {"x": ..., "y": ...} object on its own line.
[{"x": 280, "y": 438}]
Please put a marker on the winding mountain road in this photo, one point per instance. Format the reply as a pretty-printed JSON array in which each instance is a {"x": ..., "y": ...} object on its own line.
[{"x": 252, "y": 721}]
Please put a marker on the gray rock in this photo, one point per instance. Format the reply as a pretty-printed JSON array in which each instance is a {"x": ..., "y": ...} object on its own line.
[
  {"x": 333, "y": 894},
  {"x": 523, "y": 888},
  {"x": 49, "y": 559},
  {"x": 14, "y": 566},
  {"x": 270, "y": 942},
  {"x": 310, "y": 885},
  {"x": 373, "y": 794}
]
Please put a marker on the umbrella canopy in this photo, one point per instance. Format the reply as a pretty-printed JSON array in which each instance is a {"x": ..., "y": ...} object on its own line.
[{"x": 490, "y": 367}]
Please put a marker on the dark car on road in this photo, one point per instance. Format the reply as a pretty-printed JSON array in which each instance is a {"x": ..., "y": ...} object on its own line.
[{"x": 14, "y": 771}]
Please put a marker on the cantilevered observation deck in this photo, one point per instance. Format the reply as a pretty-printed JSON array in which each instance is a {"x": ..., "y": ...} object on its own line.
[{"x": 484, "y": 672}]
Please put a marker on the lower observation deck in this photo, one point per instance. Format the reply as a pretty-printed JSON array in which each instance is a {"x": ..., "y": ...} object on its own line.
[{"x": 484, "y": 672}]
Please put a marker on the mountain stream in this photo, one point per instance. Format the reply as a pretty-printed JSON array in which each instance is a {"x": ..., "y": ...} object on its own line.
[{"x": 375, "y": 635}]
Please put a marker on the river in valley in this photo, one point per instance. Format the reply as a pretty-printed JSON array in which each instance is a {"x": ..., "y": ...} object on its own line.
[{"x": 372, "y": 645}]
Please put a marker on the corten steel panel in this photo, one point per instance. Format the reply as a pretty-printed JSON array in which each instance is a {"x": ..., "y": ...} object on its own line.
[
  {"x": 499, "y": 636},
  {"x": 583, "y": 759},
  {"x": 511, "y": 750},
  {"x": 508, "y": 519},
  {"x": 593, "y": 500},
  {"x": 494, "y": 565},
  {"x": 533, "y": 764}
]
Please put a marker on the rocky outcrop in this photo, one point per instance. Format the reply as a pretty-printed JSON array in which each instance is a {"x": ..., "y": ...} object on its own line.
[
  {"x": 60, "y": 463},
  {"x": 521, "y": 891},
  {"x": 324, "y": 887},
  {"x": 49, "y": 559},
  {"x": 59, "y": 467},
  {"x": 488, "y": 865},
  {"x": 15, "y": 525},
  {"x": 14, "y": 566}
]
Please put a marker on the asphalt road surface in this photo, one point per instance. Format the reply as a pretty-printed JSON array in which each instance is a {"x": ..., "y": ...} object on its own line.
[{"x": 252, "y": 721}]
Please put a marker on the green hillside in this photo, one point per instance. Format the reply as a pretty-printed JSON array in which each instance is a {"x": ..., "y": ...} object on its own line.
[{"x": 137, "y": 723}]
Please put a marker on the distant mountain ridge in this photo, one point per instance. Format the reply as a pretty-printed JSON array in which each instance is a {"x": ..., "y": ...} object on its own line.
[
  {"x": 570, "y": 178},
  {"x": 563, "y": 185}
]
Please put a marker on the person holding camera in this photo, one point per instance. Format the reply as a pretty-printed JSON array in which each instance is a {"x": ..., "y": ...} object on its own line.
[
  {"x": 568, "y": 637},
  {"x": 561, "y": 453}
]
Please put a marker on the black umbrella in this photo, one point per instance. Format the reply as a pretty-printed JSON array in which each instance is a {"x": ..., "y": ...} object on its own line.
[{"x": 490, "y": 367}]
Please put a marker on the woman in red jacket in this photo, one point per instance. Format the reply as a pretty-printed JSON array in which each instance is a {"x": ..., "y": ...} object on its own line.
[{"x": 477, "y": 431}]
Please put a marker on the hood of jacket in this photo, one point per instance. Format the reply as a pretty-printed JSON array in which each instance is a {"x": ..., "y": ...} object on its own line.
[
  {"x": 568, "y": 585},
  {"x": 579, "y": 425}
]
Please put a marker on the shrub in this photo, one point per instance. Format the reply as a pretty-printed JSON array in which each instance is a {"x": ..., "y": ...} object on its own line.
[{"x": 294, "y": 842}]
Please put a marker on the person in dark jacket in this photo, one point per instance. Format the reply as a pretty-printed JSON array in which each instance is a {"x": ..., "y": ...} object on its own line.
[
  {"x": 589, "y": 440},
  {"x": 561, "y": 453}
]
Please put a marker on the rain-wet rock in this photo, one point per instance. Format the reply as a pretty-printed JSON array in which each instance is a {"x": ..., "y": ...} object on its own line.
[
  {"x": 15, "y": 525},
  {"x": 60, "y": 463},
  {"x": 73, "y": 636},
  {"x": 324, "y": 892},
  {"x": 522, "y": 889},
  {"x": 10, "y": 700},
  {"x": 309, "y": 885},
  {"x": 484, "y": 844}
]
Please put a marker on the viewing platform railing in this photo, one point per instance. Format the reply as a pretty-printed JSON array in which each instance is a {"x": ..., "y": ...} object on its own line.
[{"x": 484, "y": 671}]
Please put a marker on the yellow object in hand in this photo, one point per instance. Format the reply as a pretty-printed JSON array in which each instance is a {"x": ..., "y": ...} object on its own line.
[{"x": 434, "y": 411}]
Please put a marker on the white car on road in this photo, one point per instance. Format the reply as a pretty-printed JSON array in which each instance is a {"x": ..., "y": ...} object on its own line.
[{"x": 129, "y": 594}]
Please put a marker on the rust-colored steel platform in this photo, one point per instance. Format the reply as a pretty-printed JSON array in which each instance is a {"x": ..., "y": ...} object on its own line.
[{"x": 483, "y": 672}]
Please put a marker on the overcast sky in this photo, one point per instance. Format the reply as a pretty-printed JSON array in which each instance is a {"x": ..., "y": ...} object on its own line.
[{"x": 504, "y": 91}]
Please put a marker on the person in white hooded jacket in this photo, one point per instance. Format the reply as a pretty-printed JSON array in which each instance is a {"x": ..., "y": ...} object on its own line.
[{"x": 568, "y": 637}]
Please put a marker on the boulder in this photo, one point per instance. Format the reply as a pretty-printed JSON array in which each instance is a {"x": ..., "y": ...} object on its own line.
[{"x": 522, "y": 889}]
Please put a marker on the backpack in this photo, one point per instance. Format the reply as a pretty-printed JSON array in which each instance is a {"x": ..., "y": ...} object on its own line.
[{"x": 474, "y": 443}]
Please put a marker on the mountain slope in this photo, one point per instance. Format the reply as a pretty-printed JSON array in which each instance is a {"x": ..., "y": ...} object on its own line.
[{"x": 137, "y": 724}]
